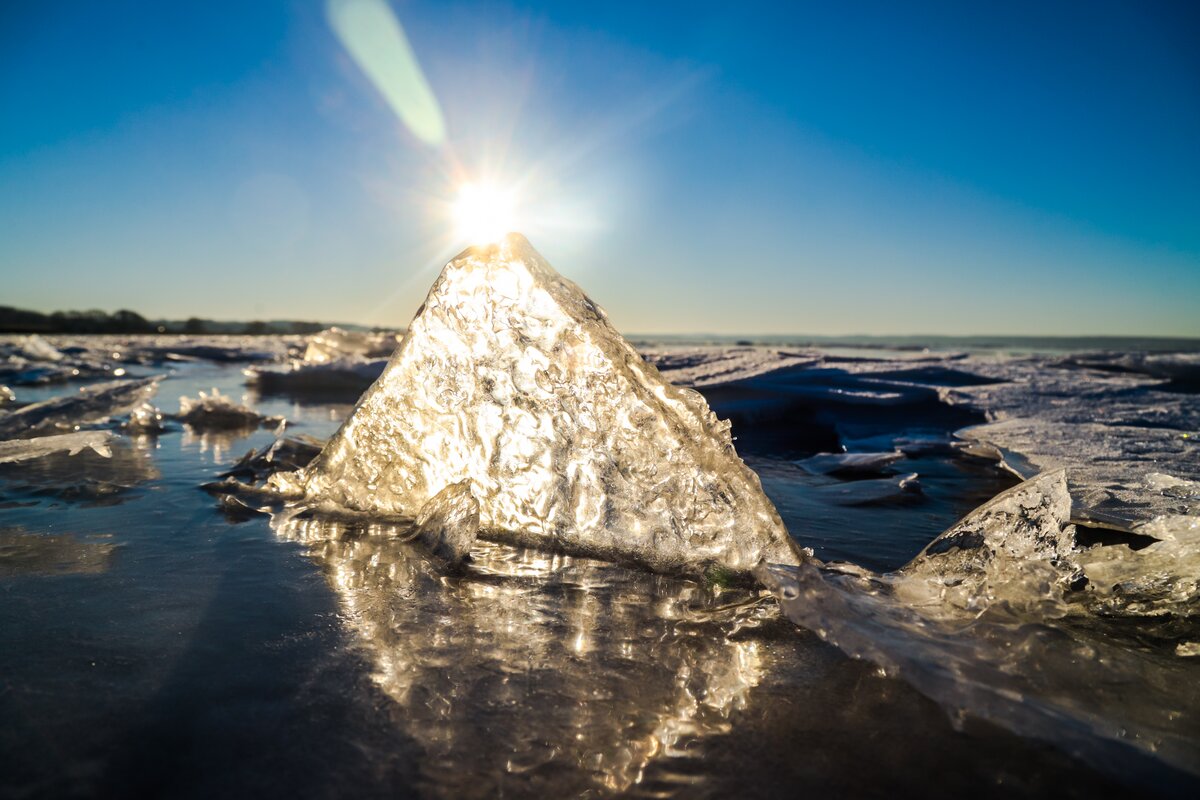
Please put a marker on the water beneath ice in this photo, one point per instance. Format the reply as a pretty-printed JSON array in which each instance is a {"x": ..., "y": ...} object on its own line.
[{"x": 152, "y": 643}]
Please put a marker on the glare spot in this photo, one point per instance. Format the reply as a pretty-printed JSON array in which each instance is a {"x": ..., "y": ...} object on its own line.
[{"x": 484, "y": 213}]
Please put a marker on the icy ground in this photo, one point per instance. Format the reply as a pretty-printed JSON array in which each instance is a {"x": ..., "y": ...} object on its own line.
[{"x": 1065, "y": 610}]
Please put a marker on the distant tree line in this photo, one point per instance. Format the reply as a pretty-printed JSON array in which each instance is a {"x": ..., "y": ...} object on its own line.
[{"x": 19, "y": 320}]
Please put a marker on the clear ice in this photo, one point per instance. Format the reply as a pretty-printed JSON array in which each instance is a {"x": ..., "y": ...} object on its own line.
[{"x": 511, "y": 378}]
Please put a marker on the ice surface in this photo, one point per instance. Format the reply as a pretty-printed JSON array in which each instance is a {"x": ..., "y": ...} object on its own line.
[
  {"x": 511, "y": 378},
  {"x": 215, "y": 411},
  {"x": 88, "y": 467},
  {"x": 1106, "y": 464},
  {"x": 711, "y": 366},
  {"x": 70, "y": 443},
  {"x": 89, "y": 405},
  {"x": 24, "y": 553},
  {"x": 1004, "y": 616},
  {"x": 1076, "y": 683},
  {"x": 534, "y": 673}
]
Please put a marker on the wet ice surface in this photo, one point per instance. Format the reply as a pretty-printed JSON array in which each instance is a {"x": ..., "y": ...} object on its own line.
[{"x": 153, "y": 643}]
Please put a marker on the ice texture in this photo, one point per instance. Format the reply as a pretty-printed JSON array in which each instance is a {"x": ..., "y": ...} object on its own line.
[
  {"x": 89, "y": 405},
  {"x": 511, "y": 378}
]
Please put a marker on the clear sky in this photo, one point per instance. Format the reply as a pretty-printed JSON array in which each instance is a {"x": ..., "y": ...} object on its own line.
[{"x": 823, "y": 168}]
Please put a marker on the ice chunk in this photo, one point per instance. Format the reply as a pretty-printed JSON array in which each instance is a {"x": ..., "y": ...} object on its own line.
[
  {"x": 512, "y": 378},
  {"x": 335, "y": 379},
  {"x": 90, "y": 404},
  {"x": 1023, "y": 549},
  {"x": 71, "y": 443},
  {"x": 145, "y": 419},
  {"x": 6, "y": 395},
  {"x": 448, "y": 524},
  {"x": 336, "y": 364},
  {"x": 1016, "y": 548},
  {"x": 1160, "y": 577},
  {"x": 217, "y": 412},
  {"x": 35, "y": 348},
  {"x": 1171, "y": 486},
  {"x": 1105, "y": 463},
  {"x": 849, "y": 463},
  {"x": 335, "y": 344},
  {"x": 287, "y": 453}
]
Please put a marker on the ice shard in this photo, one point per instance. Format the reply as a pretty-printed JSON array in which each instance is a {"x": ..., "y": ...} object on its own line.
[
  {"x": 88, "y": 405},
  {"x": 215, "y": 411},
  {"x": 511, "y": 378},
  {"x": 1016, "y": 548}
]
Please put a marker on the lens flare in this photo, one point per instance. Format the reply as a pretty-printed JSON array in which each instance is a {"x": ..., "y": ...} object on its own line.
[
  {"x": 484, "y": 213},
  {"x": 375, "y": 39}
]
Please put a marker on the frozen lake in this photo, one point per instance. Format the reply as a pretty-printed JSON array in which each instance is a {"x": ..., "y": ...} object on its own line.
[{"x": 153, "y": 642}]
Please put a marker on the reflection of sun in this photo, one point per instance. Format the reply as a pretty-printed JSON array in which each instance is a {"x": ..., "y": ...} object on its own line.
[{"x": 484, "y": 213}]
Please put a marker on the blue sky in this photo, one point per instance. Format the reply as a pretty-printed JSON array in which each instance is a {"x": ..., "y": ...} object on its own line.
[{"x": 813, "y": 168}]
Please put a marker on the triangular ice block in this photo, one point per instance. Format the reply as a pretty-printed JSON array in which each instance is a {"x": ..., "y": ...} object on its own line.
[{"x": 512, "y": 379}]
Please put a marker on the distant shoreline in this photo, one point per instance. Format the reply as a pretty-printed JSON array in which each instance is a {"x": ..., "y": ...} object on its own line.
[{"x": 24, "y": 321}]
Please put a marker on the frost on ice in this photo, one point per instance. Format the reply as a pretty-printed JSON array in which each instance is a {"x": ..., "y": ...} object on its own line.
[{"x": 512, "y": 379}]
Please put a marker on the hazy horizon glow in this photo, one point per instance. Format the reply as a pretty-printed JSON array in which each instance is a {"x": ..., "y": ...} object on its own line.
[{"x": 939, "y": 169}]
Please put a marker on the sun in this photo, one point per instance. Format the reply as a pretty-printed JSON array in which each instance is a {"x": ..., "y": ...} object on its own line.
[{"x": 484, "y": 213}]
